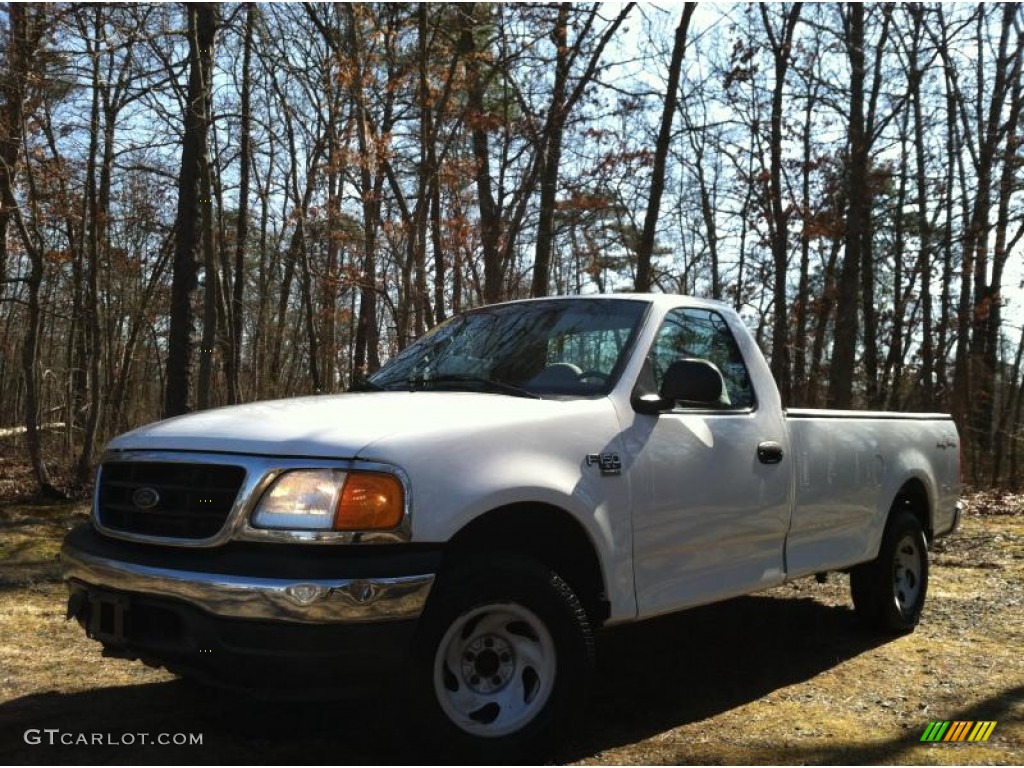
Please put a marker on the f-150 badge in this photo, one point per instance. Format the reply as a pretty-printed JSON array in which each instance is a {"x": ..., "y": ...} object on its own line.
[{"x": 609, "y": 463}]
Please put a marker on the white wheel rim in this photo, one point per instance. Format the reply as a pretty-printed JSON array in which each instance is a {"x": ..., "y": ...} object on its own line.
[
  {"x": 494, "y": 669},
  {"x": 906, "y": 573}
]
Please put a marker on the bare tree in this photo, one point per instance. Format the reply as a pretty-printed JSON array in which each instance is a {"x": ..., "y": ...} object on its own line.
[
  {"x": 202, "y": 27},
  {"x": 645, "y": 249},
  {"x": 841, "y": 377},
  {"x": 781, "y": 43}
]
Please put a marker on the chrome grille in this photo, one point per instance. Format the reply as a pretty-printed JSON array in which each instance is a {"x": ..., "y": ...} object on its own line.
[{"x": 194, "y": 500}]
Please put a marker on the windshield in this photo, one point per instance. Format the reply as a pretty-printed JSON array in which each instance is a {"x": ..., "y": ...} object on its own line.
[{"x": 553, "y": 347}]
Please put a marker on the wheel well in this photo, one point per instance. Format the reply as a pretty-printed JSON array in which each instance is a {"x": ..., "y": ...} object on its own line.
[
  {"x": 546, "y": 533},
  {"x": 913, "y": 497}
]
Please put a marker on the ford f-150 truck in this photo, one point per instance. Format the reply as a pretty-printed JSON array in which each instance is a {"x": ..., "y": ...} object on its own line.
[{"x": 519, "y": 477}]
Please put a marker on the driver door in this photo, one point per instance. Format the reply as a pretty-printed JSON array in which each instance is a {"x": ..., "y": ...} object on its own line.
[{"x": 709, "y": 518}]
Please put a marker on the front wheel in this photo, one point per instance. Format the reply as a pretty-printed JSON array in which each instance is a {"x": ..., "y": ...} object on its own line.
[
  {"x": 889, "y": 592},
  {"x": 504, "y": 659}
]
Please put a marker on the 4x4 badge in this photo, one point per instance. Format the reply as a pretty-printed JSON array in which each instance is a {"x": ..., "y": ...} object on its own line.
[{"x": 609, "y": 463}]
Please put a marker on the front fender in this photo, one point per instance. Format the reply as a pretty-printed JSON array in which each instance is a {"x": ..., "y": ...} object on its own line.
[{"x": 455, "y": 479}]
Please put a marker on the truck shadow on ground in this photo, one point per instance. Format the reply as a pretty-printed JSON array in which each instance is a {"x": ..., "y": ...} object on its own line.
[
  {"x": 651, "y": 677},
  {"x": 690, "y": 666}
]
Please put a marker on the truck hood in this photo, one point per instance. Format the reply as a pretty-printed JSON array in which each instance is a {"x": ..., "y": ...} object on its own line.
[{"x": 337, "y": 426}]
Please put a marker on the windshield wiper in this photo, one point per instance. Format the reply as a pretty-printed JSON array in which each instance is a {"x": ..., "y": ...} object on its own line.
[
  {"x": 366, "y": 386},
  {"x": 491, "y": 385}
]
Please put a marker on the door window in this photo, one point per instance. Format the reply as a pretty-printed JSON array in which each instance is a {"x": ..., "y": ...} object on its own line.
[{"x": 702, "y": 334}]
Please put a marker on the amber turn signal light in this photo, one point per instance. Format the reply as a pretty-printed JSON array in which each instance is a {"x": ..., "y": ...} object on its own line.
[{"x": 370, "y": 501}]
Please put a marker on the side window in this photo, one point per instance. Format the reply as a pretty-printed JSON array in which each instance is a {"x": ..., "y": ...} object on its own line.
[{"x": 702, "y": 334}]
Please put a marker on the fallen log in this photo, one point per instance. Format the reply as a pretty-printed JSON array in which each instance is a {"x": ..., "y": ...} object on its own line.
[{"x": 11, "y": 431}]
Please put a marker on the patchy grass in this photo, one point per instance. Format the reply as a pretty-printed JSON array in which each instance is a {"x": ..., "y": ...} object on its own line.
[
  {"x": 30, "y": 538},
  {"x": 786, "y": 676}
]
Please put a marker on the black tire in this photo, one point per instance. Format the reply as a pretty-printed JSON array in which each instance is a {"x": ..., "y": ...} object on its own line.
[
  {"x": 889, "y": 592},
  {"x": 502, "y": 662}
]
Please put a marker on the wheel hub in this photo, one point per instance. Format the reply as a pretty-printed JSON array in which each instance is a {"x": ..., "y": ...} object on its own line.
[
  {"x": 488, "y": 664},
  {"x": 906, "y": 573},
  {"x": 495, "y": 669}
]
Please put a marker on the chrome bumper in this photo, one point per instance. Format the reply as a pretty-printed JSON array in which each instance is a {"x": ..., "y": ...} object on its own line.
[
  {"x": 958, "y": 511},
  {"x": 305, "y": 602},
  {"x": 957, "y": 514}
]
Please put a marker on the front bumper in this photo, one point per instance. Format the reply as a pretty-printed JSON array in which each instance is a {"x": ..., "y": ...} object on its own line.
[
  {"x": 295, "y": 628},
  {"x": 307, "y": 601}
]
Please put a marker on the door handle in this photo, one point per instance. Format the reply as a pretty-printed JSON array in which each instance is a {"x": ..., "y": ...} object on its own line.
[{"x": 769, "y": 452}]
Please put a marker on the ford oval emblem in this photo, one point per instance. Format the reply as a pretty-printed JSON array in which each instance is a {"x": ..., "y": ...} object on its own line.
[{"x": 145, "y": 498}]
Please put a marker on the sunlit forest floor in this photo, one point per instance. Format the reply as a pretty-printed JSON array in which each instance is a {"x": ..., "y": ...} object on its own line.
[{"x": 786, "y": 676}]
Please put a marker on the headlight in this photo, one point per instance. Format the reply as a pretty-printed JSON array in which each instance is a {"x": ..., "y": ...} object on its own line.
[
  {"x": 301, "y": 500},
  {"x": 327, "y": 499}
]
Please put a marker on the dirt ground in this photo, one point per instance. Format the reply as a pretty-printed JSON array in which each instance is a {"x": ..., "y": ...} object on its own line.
[{"x": 786, "y": 676}]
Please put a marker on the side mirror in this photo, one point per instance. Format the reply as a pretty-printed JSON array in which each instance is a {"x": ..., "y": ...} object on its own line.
[
  {"x": 651, "y": 404},
  {"x": 692, "y": 381},
  {"x": 689, "y": 380}
]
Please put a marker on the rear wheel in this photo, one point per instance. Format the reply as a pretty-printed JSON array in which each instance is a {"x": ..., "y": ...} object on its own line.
[
  {"x": 889, "y": 592},
  {"x": 504, "y": 660}
]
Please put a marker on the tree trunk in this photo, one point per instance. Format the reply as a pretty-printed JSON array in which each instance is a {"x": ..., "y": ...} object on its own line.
[
  {"x": 947, "y": 390},
  {"x": 367, "y": 354},
  {"x": 888, "y": 391},
  {"x": 924, "y": 226},
  {"x": 478, "y": 121},
  {"x": 25, "y": 32},
  {"x": 98, "y": 246},
  {"x": 87, "y": 363},
  {"x": 1013, "y": 390},
  {"x": 211, "y": 289},
  {"x": 551, "y": 157},
  {"x": 779, "y": 216},
  {"x": 202, "y": 24},
  {"x": 20, "y": 51},
  {"x": 824, "y": 316},
  {"x": 29, "y": 356},
  {"x": 242, "y": 227},
  {"x": 803, "y": 297},
  {"x": 645, "y": 249},
  {"x": 841, "y": 374}
]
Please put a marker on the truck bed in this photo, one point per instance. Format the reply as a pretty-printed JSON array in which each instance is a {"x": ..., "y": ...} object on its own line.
[{"x": 847, "y": 464}]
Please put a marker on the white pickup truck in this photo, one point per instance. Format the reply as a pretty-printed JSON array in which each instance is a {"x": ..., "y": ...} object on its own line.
[{"x": 522, "y": 475}]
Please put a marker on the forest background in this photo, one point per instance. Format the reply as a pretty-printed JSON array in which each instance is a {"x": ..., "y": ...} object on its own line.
[{"x": 207, "y": 204}]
